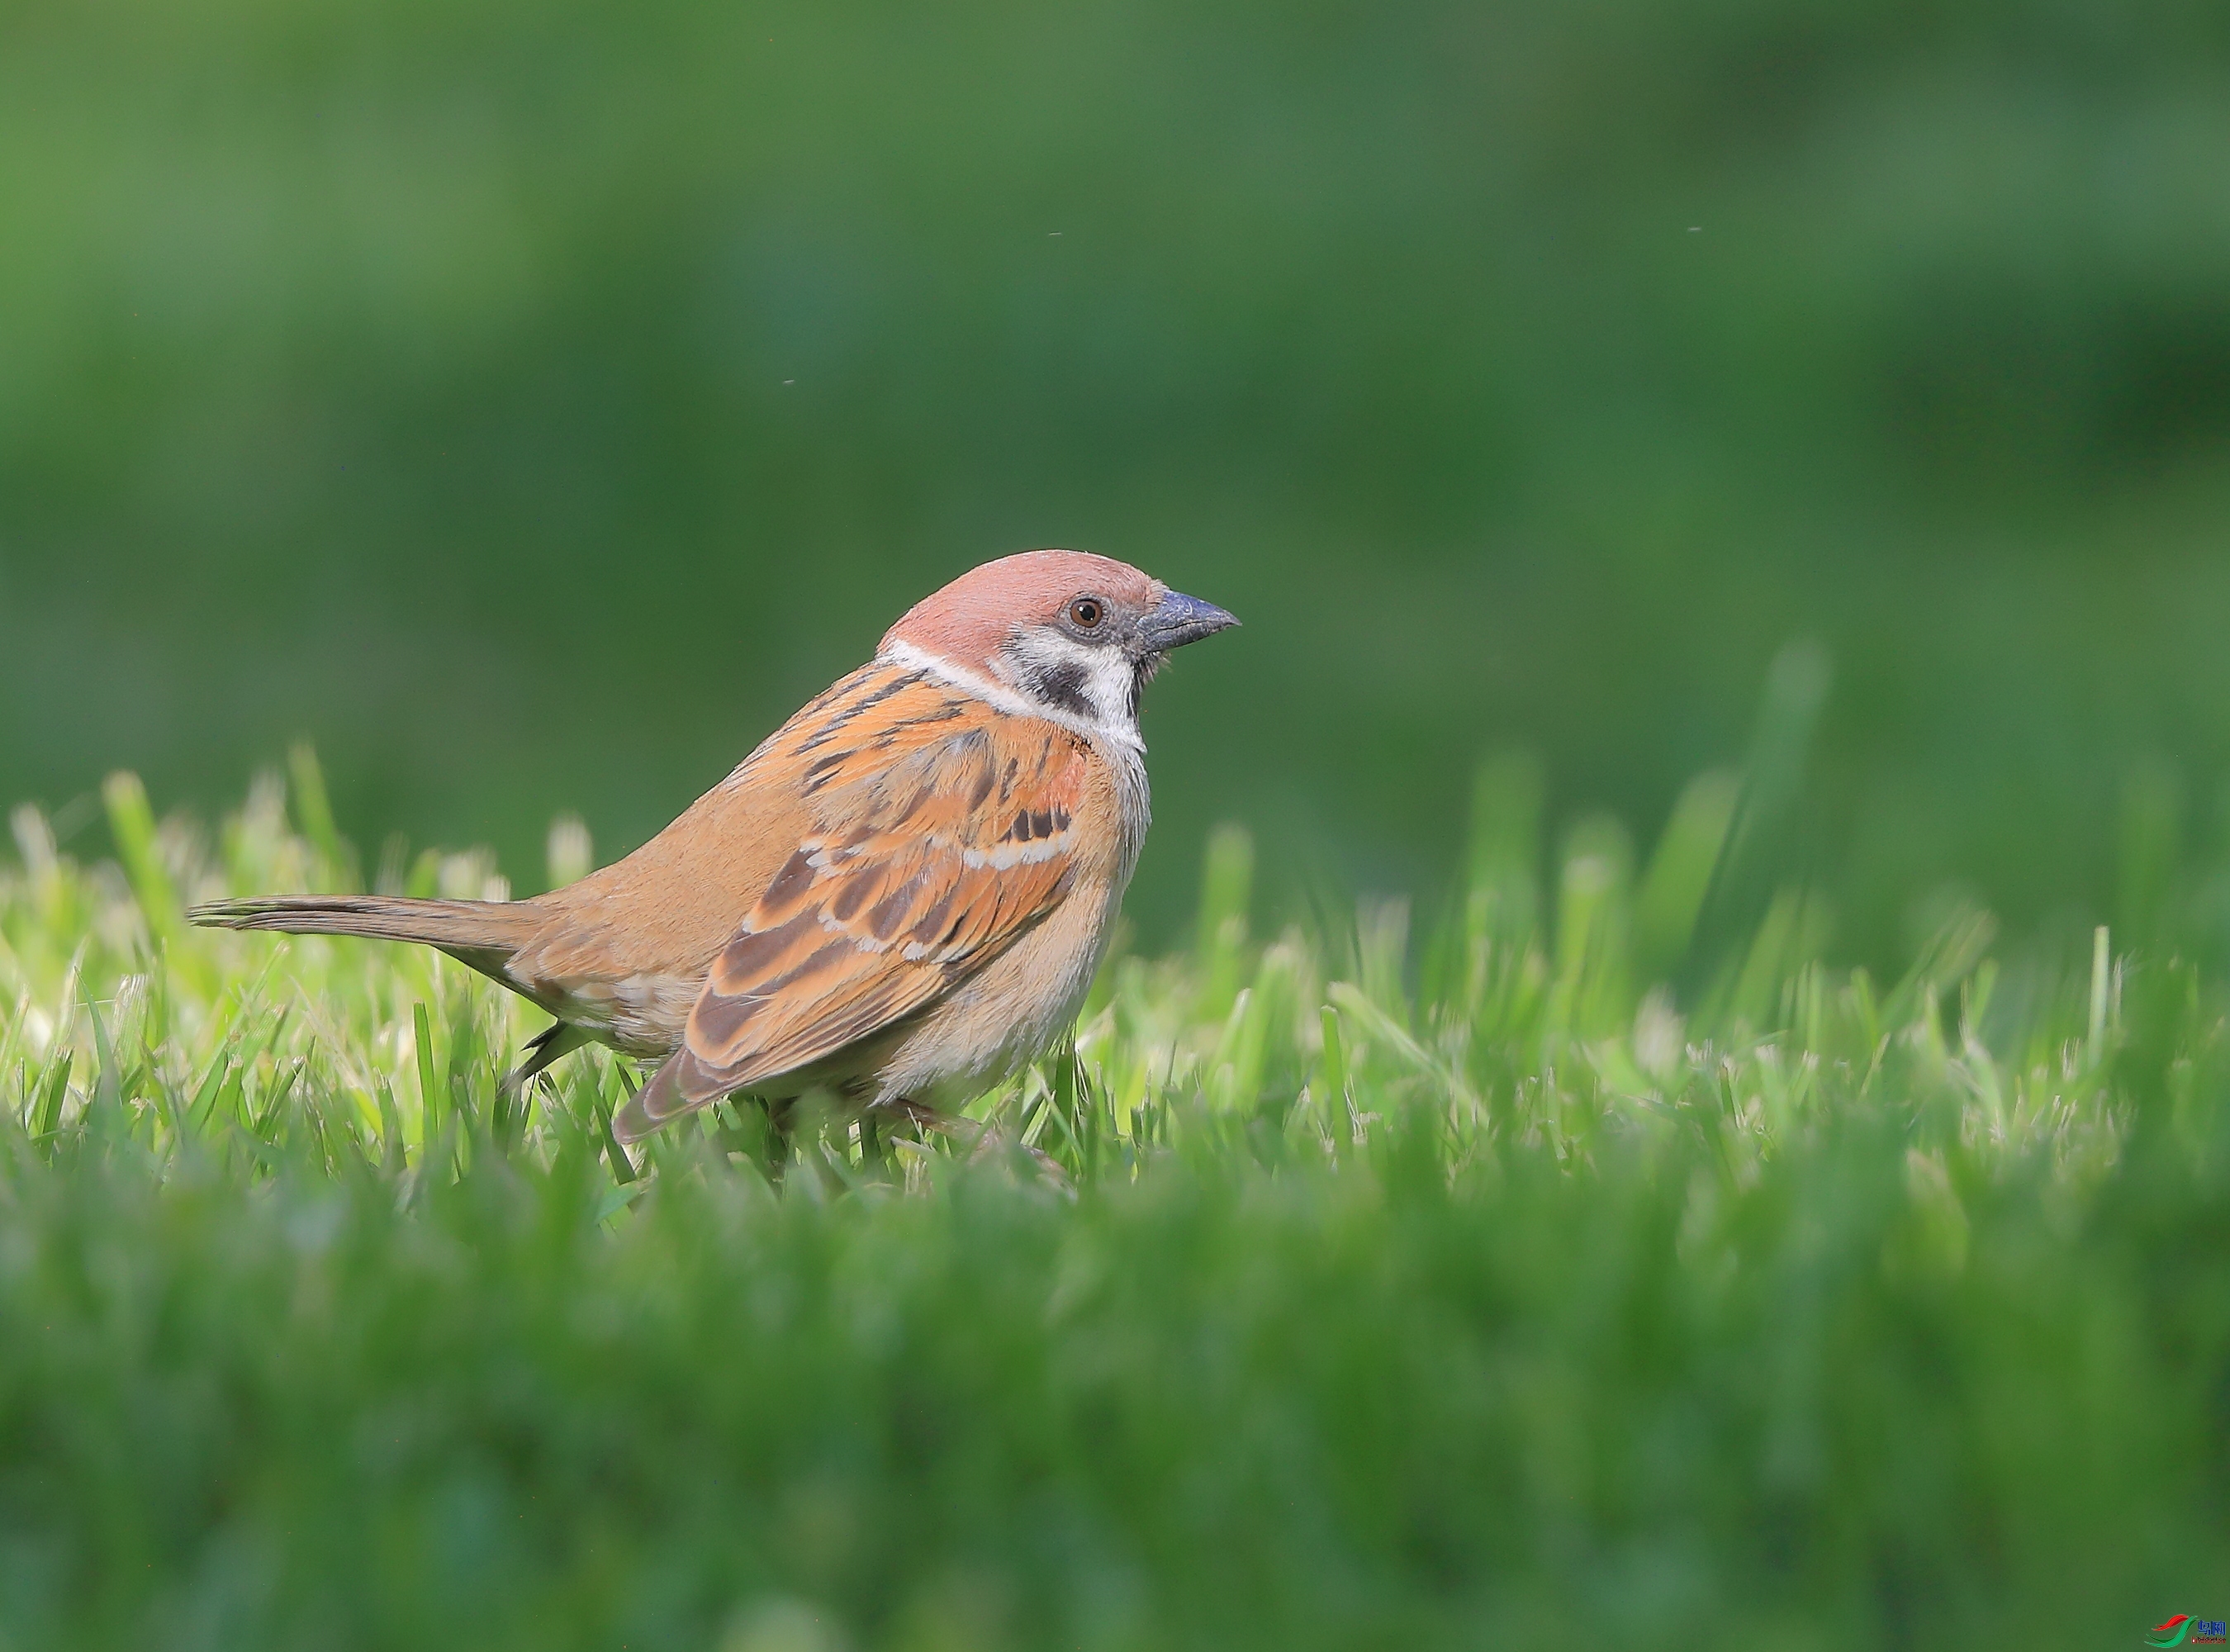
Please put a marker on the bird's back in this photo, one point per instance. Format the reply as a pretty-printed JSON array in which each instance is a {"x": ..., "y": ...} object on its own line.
[{"x": 626, "y": 949}]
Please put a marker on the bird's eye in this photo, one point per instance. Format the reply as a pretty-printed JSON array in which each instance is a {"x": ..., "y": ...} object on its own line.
[{"x": 1085, "y": 613}]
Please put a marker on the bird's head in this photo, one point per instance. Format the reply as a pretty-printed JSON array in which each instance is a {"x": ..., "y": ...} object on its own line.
[{"x": 1068, "y": 633}]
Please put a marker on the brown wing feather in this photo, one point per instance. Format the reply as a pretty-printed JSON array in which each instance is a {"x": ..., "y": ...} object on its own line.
[
  {"x": 669, "y": 907},
  {"x": 936, "y": 843}
]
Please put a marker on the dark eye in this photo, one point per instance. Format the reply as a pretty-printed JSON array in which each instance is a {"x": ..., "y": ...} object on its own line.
[{"x": 1085, "y": 614}]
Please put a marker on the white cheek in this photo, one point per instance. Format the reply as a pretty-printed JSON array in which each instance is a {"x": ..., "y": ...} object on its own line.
[
  {"x": 1108, "y": 685},
  {"x": 1103, "y": 675}
]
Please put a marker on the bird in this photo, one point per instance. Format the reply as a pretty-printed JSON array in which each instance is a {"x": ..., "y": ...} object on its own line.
[{"x": 900, "y": 898}]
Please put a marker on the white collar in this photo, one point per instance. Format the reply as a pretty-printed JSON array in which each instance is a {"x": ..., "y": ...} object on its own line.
[{"x": 1006, "y": 699}]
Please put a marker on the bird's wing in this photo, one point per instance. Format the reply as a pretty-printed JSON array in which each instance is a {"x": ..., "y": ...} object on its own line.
[{"x": 938, "y": 837}]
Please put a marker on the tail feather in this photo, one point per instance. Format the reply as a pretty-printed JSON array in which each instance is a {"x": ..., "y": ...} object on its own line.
[{"x": 486, "y": 927}]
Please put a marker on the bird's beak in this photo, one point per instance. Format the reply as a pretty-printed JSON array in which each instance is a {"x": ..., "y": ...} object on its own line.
[{"x": 1182, "y": 619}]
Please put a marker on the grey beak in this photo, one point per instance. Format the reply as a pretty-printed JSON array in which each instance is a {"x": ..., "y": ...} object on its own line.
[{"x": 1182, "y": 619}]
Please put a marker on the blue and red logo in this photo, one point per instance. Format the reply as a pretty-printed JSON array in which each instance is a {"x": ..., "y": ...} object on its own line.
[{"x": 2182, "y": 1626}]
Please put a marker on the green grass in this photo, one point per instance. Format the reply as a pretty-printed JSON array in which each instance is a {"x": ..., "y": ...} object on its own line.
[{"x": 1597, "y": 1266}]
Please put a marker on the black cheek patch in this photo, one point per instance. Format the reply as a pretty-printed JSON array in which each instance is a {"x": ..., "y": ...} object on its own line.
[{"x": 1062, "y": 684}]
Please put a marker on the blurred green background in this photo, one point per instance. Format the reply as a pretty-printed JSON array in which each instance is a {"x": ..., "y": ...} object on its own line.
[{"x": 533, "y": 403}]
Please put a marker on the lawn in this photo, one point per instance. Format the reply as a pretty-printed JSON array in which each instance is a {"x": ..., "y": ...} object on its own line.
[{"x": 1590, "y": 1263}]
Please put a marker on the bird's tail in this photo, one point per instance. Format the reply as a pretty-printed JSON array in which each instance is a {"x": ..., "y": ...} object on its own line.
[{"x": 491, "y": 929}]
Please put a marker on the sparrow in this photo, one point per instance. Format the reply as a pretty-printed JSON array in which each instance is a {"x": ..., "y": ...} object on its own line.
[{"x": 900, "y": 897}]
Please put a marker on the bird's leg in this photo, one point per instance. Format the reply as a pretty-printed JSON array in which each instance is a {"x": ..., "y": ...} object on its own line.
[
  {"x": 779, "y": 1135},
  {"x": 559, "y": 1039},
  {"x": 872, "y": 1164}
]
